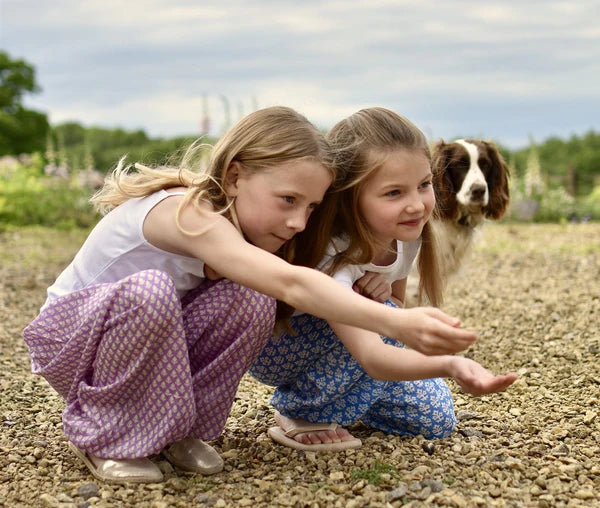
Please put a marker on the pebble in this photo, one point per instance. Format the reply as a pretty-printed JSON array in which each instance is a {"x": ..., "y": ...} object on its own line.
[
  {"x": 397, "y": 493},
  {"x": 88, "y": 490},
  {"x": 49, "y": 500},
  {"x": 463, "y": 415},
  {"x": 434, "y": 485},
  {"x": 428, "y": 447},
  {"x": 470, "y": 432},
  {"x": 542, "y": 434}
]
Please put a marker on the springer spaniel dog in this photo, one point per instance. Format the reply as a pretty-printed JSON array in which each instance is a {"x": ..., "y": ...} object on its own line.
[{"x": 471, "y": 184}]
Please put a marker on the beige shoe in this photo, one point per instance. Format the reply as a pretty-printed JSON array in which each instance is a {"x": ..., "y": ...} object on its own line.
[
  {"x": 194, "y": 455},
  {"x": 120, "y": 470}
]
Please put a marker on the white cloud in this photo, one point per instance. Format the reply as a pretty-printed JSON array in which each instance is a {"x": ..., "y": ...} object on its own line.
[{"x": 148, "y": 63}]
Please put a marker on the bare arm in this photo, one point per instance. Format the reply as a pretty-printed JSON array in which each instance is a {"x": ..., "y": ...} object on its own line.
[
  {"x": 399, "y": 292},
  {"x": 386, "y": 362},
  {"x": 223, "y": 248}
]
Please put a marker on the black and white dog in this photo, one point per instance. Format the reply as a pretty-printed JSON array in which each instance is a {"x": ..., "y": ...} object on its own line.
[{"x": 471, "y": 184}]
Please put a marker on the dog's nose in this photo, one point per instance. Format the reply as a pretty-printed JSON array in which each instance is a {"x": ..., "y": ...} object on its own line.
[{"x": 477, "y": 191}]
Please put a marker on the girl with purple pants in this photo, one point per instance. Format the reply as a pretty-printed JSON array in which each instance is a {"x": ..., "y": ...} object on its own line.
[{"x": 147, "y": 333}]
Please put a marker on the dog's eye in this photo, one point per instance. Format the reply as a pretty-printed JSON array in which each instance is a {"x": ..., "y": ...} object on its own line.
[
  {"x": 484, "y": 164},
  {"x": 462, "y": 163}
]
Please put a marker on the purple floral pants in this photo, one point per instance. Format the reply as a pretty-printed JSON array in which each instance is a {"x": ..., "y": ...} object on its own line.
[{"x": 139, "y": 367}]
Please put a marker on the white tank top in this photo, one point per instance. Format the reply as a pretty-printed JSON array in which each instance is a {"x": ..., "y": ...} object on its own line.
[{"x": 116, "y": 248}]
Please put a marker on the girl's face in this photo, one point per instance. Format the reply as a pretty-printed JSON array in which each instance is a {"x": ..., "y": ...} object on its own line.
[
  {"x": 274, "y": 204},
  {"x": 398, "y": 199}
]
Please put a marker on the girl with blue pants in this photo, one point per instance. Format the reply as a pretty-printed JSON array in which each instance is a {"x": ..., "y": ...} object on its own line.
[{"x": 328, "y": 373}]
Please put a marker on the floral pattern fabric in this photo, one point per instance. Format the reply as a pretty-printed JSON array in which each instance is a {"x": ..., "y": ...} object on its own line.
[
  {"x": 318, "y": 380},
  {"x": 139, "y": 367}
]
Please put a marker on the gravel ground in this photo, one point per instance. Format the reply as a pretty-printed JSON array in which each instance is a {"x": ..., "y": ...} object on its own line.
[{"x": 533, "y": 293}]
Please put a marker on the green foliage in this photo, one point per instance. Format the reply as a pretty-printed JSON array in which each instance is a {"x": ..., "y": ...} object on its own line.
[
  {"x": 21, "y": 130},
  {"x": 28, "y": 197},
  {"x": 106, "y": 146},
  {"x": 589, "y": 207},
  {"x": 374, "y": 475},
  {"x": 555, "y": 205},
  {"x": 573, "y": 164}
]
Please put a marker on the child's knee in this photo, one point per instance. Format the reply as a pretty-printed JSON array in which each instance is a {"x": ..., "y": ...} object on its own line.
[
  {"x": 248, "y": 308},
  {"x": 148, "y": 286},
  {"x": 442, "y": 425},
  {"x": 149, "y": 293}
]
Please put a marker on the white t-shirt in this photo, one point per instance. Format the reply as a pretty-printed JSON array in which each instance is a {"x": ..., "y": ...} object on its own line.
[
  {"x": 406, "y": 252},
  {"x": 116, "y": 248}
]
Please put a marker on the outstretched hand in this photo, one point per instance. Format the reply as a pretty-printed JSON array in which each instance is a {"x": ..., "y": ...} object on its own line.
[
  {"x": 430, "y": 331},
  {"x": 475, "y": 379}
]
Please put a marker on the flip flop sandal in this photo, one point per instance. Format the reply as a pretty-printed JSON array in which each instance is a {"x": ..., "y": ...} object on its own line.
[
  {"x": 286, "y": 438},
  {"x": 120, "y": 470}
]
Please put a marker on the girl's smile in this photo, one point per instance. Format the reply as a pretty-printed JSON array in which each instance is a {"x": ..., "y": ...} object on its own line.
[{"x": 398, "y": 199}]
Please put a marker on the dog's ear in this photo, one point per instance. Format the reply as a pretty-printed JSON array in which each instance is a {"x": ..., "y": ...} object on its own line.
[
  {"x": 498, "y": 183},
  {"x": 445, "y": 193}
]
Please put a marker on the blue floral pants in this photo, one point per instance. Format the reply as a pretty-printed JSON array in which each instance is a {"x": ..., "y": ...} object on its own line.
[{"x": 318, "y": 380}]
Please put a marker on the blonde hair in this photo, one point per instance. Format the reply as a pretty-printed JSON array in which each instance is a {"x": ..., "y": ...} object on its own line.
[
  {"x": 361, "y": 143},
  {"x": 263, "y": 139}
]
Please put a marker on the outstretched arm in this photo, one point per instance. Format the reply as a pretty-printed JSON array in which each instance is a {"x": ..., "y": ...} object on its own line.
[
  {"x": 389, "y": 363},
  {"x": 222, "y": 248}
]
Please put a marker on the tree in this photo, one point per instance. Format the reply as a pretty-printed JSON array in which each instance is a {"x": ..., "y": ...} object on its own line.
[{"x": 21, "y": 130}]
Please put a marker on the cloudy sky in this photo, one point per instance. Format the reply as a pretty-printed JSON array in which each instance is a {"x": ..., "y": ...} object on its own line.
[{"x": 504, "y": 70}]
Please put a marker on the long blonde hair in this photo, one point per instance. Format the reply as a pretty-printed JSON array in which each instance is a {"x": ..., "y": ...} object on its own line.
[
  {"x": 263, "y": 139},
  {"x": 361, "y": 144}
]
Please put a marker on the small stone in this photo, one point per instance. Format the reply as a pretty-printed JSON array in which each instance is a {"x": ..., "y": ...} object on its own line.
[
  {"x": 589, "y": 417},
  {"x": 63, "y": 498},
  {"x": 88, "y": 490},
  {"x": 495, "y": 492},
  {"x": 415, "y": 486},
  {"x": 270, "y": 456},
  {"x": 419, "y": 470},
  {"x": 428, "y": 447},
  {"x": 397, "y": 493},
  {"x": 49, "y": 500},
  {"x": 336, "y": 476},
  {"x": 584, "y": 494},
  {"x": 470, "y": 432},
  {"x": 202, "y": 498},
  {"x": 176, "y": 484},
  {"x": 467, "y": 415},
  {"x": 231, "y": 454},
  {"x": 434, "y": 485},
  {"x": 515, "y": 411},
  {"x": 220, "y": 503},
  {"x": 535, "y": 490},
  {"x": 561, "y": 450}
]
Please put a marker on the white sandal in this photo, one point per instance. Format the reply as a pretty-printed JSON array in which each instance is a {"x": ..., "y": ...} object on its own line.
[
  {"x": 120, "y": 470},
  {"x": 286, "y": 437}
]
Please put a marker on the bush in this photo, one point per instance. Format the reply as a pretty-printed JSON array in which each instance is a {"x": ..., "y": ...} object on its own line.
[
  {"x": 555, "y": 205},
  {"x": 589, "y": 207},
  {"x": 28, "y": 196}
]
